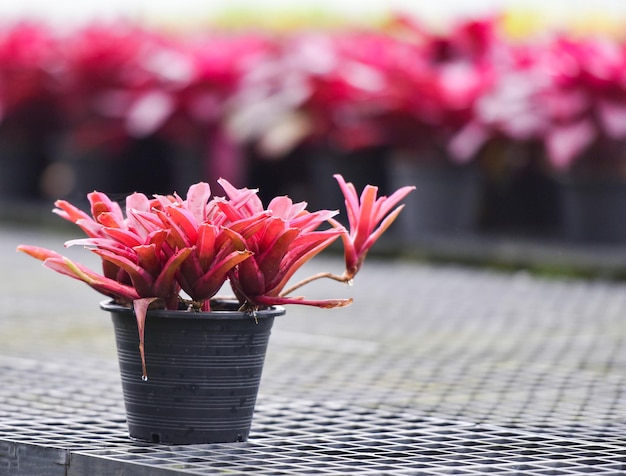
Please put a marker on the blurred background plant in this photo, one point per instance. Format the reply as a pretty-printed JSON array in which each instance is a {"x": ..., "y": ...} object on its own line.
[{"x": 497, "y": 115}]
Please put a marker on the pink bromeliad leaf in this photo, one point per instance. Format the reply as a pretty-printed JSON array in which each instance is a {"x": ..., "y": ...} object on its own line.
[
  {"x": 86, "y": 223},
  {"x": 186, "y": 222},
  {"x": 238, "y": 232},
  {"x": 212, "y": 280},
  {"x": 310, "y": 221},
  {"x": 142, "y": 280},
  {"x": 143, "y": 222},
  {"x": 106, "y": 215},
  {"x": 284, "y": 207},
  {"x": 242, "y": 198},
  {"x": 273, "y": 250},
  {"x": 123, "y": 237},
  {"x": 69, "y": 212},
  {"x": 165, "y": 284},
  {"x": 215, "y": 249},
  {"x": 205, "y": 244},
  {"x": 198, "y": 197},
  {"x": 369, "y": 217},
  {"x": 148, "y": 259},
  {"x": 142, "y": 262},
  {"x": 214, "y": 243},
  {"x": 103, "y": 243},
  {"x": 137, "y": 201},
  {"x": 304, "y": 248},
  {"x": 162, "y": 245},
  {"x": 101, "y": 204},
  {"x": 140, "y": 306},
  {"x": 321, "y": 303},
  {"x": 159, "y": 281},
  {"x": 247, "y": 281},
  {"x": 38, "y": 252},
  {"x": 285, "y": 241},
  {"x": 109, "y": 287}
]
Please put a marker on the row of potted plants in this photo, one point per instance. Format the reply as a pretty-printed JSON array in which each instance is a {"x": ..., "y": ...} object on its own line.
[
  {"x": 404, "y": 85},
  {"x": 357, "y": 87},
  {"x": 171, "y": 108}
]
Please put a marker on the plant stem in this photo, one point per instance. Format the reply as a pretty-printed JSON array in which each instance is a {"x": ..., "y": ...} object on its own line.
[{"x": 342, "y": 279}]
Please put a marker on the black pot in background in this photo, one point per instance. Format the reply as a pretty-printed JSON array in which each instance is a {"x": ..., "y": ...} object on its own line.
[
  {"x": 144, "y": 165},
  {"x": 23, "y": 157},
  {"x": 286, "y": 175},
  {"x": 521, "y": 193},
  {"x": 26, "y": 134},
  {"x": 593, "y": 209},
  {"x": 203, "y": 372},
  {"x": 446, "y": 200},
  {"x": 306, "y": 174},
  {"x": 361, "y": 167}
]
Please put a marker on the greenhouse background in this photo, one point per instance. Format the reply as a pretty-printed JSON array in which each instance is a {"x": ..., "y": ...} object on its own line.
[{"x": 509, "y": 117}]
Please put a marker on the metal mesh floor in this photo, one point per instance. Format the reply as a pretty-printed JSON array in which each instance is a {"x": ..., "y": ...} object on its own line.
[
  {"x": 466, "y": 372},
  {"x": 73, "y": 432}
]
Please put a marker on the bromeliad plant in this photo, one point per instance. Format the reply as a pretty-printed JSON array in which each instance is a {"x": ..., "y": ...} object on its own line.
[{"x": 167, "y": 252}]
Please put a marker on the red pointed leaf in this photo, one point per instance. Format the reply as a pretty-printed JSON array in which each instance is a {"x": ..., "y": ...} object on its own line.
[
  {"x": 106, "y": 286},
  {"x": 38, "y": 252},
  {"x": 125, "y": 237},
  {"x": 185, "y": 222},
  {"x": 323, "y": 303},
  {"x": 311, "y": 246},
  {"x": 147, "y": 259},
  {"x": 351, "y": 199},
  {"x": 141, "y": 279},
  {"x": 387, "y": 204},
  {"x": 211, "y": 282},
  {"x": 69, "y": 212},
  {"x": 270, "y": 260},
  {"x": 205, "y": 246},
  {"x": 101, "y": 203},
  {"x": 140, "y": 307},
  {"x": 197, "y": 197},
  {"x": 249, "y": 278},
  {"x": 165, "y": 282},
  {"x": 365, "y": 216}
]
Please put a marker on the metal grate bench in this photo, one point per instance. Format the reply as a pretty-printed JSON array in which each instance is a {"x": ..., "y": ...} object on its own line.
[{"x": 433, "y": 370}]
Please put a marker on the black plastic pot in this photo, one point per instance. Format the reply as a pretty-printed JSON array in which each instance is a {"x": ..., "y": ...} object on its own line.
[
  {"x": 203, "y": 372},
  {"x": 446, "y": 199},
  {"x": 593, "y": 209}
]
